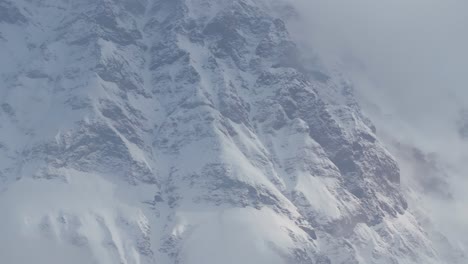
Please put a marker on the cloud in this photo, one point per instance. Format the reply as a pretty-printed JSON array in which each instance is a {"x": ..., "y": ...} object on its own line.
[
  {"x": 408, "y": 60},
  {"x": 405, "y": 47}
]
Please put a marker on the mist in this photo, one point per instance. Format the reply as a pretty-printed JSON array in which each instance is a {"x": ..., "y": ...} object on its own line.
[
  {"x": 408, "y": 58},
  {"x": 408, "y": 61}
]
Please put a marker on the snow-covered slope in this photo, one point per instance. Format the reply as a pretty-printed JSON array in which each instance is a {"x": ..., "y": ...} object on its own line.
[{"x": 186, "y": 131}]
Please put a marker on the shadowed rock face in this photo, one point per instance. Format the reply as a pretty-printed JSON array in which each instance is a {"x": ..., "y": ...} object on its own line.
[{"x": 209, "y": 128}]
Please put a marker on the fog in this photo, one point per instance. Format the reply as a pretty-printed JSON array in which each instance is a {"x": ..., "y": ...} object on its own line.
[
  {"x": 408, "y": 60},
  {"x": 407, "y": 49}
]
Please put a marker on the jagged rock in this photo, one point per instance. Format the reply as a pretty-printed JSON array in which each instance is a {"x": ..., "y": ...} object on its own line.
[{"x": 176, "y": 131}]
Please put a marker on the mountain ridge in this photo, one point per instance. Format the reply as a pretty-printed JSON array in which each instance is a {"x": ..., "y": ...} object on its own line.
[{"x": 186, "y": 132}]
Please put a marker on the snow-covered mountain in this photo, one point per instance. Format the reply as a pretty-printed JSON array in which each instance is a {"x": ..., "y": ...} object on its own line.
[{"x": 190, "y": 132}]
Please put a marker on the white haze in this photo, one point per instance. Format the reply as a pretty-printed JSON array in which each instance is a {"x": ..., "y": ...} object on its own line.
[{"x": 408, "y": 60}]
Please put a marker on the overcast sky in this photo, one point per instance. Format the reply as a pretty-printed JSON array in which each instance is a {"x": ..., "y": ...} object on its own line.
[{"x": 408, "y": 60}]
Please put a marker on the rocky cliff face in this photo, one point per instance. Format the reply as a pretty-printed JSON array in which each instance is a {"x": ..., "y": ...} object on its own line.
[{"x": 177, "y": 131}]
